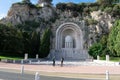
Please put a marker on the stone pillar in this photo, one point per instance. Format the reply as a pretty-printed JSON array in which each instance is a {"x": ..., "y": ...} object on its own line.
[
  {"x": 65, "y": 44},
  {"x": 26, "y": 56},
  {"x": 37, "y": 56},
  {"x": 69, "y": 45},
  {"x": 98, "y": 57},
  {"x": 107, "y": 75},
  {"x": 22, "y": 69},
  {"x": 37, "y": 76},
  {"x": 107, "y": 58}
]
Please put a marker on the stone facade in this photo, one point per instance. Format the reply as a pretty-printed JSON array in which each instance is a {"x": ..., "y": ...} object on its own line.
[{"x": 68, "y": 42}]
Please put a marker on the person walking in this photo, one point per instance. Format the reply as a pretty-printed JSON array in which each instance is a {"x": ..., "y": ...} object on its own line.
[
  {"x": 62, "y": 59},
  {"x": 54, "y": 61}
]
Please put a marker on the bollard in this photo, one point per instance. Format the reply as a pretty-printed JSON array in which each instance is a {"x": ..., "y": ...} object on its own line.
[
  {"x": 13, "y": 61},
  {"x": 22, "y": 69},
  {"x": 26, "y": 56},
  {"x": 37, "y": 77},
  {"x": 107, "y": 75},
  {"x": 37, "y": 56},
  {"x": 22, "y": 61},
  {"x": 107, "y": 58},
  {"x": 38, "y": 61},
  {"x": 30, "y": 62},
  {"x": 98, "y": 57}
]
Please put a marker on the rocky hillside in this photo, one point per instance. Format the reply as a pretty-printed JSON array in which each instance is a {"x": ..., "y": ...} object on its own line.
[
  {"x": 20, "y": 12},
  {"x": 97, "y": 22}
]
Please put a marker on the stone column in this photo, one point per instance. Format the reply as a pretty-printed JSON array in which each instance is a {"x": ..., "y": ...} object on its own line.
[
  {"x": 65, "y": 44},
  {"x": 107, "y": 58},
  {"x": 26, "y": 56},
  {"x": 69, "y": 45}
]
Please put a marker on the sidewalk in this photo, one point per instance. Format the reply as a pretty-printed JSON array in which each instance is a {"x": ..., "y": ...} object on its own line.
[
  {"x": 81, "y": 71},
  {"x": 64, "y": 69}
]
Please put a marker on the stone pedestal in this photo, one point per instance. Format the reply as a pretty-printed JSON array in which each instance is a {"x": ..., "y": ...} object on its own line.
[
  {"x": 37, "y": 76},
  {"x": 98, "y": 57},
  {"x": 70, "y": 54},
  {"x": 107, "y": 58},
  {"x": 107, "y": 75},
  {"x": 26, "y": 56},
  {"x": 37, "y": 56}
]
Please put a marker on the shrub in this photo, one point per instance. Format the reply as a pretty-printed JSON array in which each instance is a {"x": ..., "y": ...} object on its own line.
[
  {"x": 61, "y": 6},
  {"x": 95, "y": 49},
  {"x": 108, "y": 9},
  {"x": 116, "y": 11},
  {"x": 95, "y": 8},
  {"x": 91, "y": 22}
]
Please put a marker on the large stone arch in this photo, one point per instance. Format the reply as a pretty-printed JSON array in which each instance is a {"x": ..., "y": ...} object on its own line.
[
  {"x": 76, "y": 29},
  {"x": 73, "y": 31}
]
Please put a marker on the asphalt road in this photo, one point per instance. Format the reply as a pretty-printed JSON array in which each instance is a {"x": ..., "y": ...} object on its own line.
[{"x": 18, "y": 76}]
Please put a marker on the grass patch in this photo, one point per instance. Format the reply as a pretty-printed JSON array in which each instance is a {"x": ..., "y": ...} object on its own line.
[
  {"x": 13, "y": 58},
  {"x": 114, "y": 59}
]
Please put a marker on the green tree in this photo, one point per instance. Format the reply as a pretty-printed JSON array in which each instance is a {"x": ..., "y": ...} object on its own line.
[
  {"x": 104, "y": 41},
  {"x": 10, "y": 40},
  {"x": 86, "y": 11},
  {"x": 107, "y": 2},
  {"x": 61, "y": 6},
  {"x": 45, "y": 43},
  {"x": 108, "y": 10},
  {"x": 35, "y": 43},
  {"x": 71, "y": 6},
  {"x": 91, "y": 22},
  {"x": 95, "y": 49},
  {"x": 26, "y": 1},
  {"x": 116, "y": 11},
  {"x": 114, "y": 39},
  {"x": 48, "y": 1},
  {"x": 31, "y": 38}
]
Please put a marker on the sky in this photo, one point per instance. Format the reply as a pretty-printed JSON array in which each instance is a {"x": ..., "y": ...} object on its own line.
[{"x": 6, "y": 4}]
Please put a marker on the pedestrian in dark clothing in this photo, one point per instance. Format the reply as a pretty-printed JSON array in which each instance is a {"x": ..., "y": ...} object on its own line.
[
  {"x": 62, "y": 59},
  {"x": 53, "y": 61}
]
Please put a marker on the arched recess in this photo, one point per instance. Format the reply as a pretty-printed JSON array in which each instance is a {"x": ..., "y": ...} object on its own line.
[{"x": 77, "y": 35}]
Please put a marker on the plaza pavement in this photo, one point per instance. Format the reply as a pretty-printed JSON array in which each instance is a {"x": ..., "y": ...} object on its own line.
[{"x": 65, "y": 71}]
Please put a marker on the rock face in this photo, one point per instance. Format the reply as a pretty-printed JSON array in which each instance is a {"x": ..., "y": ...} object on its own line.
[
  {"x": 63, "y": 24},
  {"x": 91, "y": 33},
  {"x": 19, "y": 13},
  {"x": 88, "y": 34}
]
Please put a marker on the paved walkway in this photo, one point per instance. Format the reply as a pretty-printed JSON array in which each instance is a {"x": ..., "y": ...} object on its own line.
[{"x": 65, "y": 69}]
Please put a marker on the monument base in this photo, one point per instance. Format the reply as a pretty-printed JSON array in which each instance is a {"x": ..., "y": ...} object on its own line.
[{"x": 69, "y": 54}]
